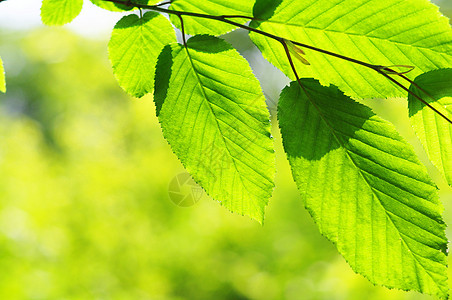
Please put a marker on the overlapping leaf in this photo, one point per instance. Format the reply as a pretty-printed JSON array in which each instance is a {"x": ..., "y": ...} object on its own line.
[
  {"x": 60, "y": 12},
  {"x": 195, "y": 25},
  {"x": 390, "y": 32},
  {"x": 214, "y": 116},
  {"x": 133, "y": 50},
  {"x": 433, "y": 130},
  {"x": 365, "y": 188},
  {"x": 2, "y": 77}
]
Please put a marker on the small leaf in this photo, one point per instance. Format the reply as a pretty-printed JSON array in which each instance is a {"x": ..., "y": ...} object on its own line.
[
  {"x": 195, "y": 25},
  {"x": 60, "y": 12},
  {"x": 433, "y": 130},
  {"x": 297, "y": 52},
  {"x": 2, "y": 77},
  {"x": 213, "y": 114},
  {"x": 397, "y": 69},
  {"x": 133, "y": 50},
  {"x": 365, "y": 188}
]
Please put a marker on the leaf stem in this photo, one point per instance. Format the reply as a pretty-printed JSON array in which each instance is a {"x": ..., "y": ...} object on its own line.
[
  {"x": 292, "y": 65},
  {"x": 182, "y": 30}
]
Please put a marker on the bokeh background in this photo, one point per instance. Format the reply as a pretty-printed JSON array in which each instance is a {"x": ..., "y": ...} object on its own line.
[{"x": 85, "y": 211}]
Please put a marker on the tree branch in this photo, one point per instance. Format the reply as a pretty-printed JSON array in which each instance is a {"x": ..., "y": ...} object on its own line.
[{"x": 383, "y": 70}]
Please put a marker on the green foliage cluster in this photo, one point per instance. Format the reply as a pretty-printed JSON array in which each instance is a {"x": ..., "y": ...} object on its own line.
[{"x": 358, "y": 178}]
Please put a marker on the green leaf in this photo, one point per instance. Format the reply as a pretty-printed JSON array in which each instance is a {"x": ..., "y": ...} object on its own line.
[
  {"x": 195, "y": 25},
  {"x": 365, "y": 188},
  {"x": 433, "y": 130},
  {"x": 111, "y": 6},
  {"x": 133, "y": 50},
  {"x": 382, "y": 32},
  {"x": 60, "y": 12},
  {"x": 214, "y": 116},
  {"x": 2, "y": 77}
]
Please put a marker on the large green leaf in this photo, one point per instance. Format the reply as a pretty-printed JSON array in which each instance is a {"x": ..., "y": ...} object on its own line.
[
  {"x": 195, "y": 25},
  {"x": 384, "y": 32},
  {"x": 365, "y": 188},
  {"x": 133, "y": 50},
  {"x": 2, "y": 77},
  {"x": 213, "y": 114},
  {"x": 433, "y": 130},
  {"x": 60, "y": 12}
]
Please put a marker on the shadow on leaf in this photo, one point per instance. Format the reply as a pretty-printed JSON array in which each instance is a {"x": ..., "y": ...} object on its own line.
[
  {"x": 163, "y": 72},
  {"x": 208, "y": 44},
  {"x": 316, "y": 119}
]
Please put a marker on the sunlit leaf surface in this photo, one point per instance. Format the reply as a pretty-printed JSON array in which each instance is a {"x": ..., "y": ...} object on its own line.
[{"x": 133, "y": 50}]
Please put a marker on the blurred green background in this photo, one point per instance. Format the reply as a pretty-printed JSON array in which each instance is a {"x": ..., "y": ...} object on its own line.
[{"x": 85, "y": 211}]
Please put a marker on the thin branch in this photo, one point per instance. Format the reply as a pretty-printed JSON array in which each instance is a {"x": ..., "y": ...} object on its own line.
[
  {"x": 383, "y": 70},
  {"x": 359, "y": 62},
  {"x": 225, "y": 20},
  {"x": 164, "y": 3}
]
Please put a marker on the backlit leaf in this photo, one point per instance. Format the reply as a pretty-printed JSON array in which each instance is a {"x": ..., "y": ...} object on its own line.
[
  {"x": 213, "y": 114},
  {"x": 60, "y": 12},
  {"x": 133, "y": 50},
  {"x": 365, "y": 188}
]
